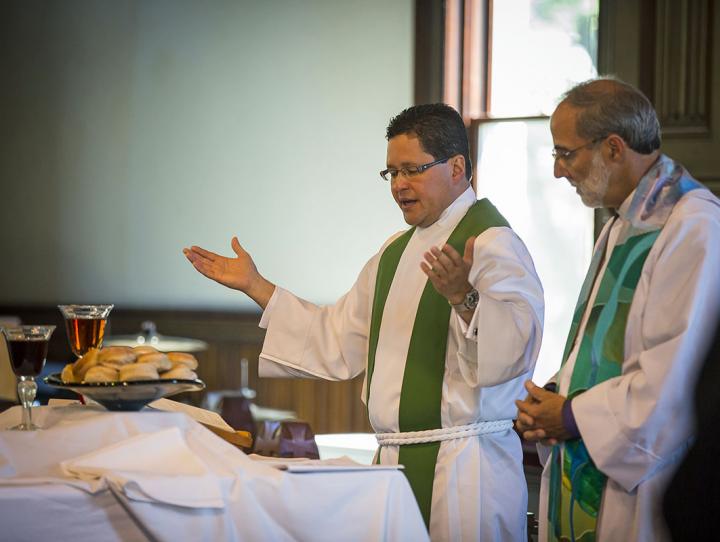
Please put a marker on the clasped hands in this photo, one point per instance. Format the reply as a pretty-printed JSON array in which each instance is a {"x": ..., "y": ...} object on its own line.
[{"x": 540, "y": 416}]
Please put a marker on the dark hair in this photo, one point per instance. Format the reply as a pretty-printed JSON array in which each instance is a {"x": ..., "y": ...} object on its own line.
[
  {"x": 610, "y": 106},
  {"x": 439, "y": 128}
]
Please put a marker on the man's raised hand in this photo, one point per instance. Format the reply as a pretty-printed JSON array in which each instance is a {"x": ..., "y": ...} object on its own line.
[
  {"x": 449, "y": 271},
  {"x": 239, "y": 273}
]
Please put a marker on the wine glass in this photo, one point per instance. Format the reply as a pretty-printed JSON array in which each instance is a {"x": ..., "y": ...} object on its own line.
[
  {"x": 28, "y": 347},
  {"x": 85, "y": 326}
]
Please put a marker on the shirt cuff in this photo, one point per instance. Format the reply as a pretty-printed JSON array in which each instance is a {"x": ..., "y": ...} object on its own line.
[
  {"x": 469, "y": 331},
  {"x": 568, "y": 420},
  {"x": 267, "y": 313}
]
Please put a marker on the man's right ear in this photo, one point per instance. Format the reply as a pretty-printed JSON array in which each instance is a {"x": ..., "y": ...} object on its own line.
[
  {"x": 458, "y": 165},
  {"x": 617, "y": 146}
]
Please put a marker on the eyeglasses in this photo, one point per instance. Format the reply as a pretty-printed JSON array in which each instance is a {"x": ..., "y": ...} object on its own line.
[
  {"x": 409, "y": 171},
  {"x": 567, "y": 154}
]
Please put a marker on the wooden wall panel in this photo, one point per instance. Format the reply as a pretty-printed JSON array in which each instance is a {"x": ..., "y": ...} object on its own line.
[
  {"x": 671, "y": 50},
  {"x": 683, "y": 66},
  {"x": 330, "y": 407}
]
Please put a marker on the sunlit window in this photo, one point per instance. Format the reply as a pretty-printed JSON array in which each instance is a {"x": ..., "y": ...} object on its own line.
[
  {"x": 539, "y": 48},
  {"x": 514, "y": 170},
  {"x": 528, "y": 52}
]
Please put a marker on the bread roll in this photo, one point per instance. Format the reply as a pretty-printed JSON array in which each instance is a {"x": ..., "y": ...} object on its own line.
[
  {"x": 116, "y": 356},
  {"x": 138, "y": 371},
  {"x": 144, "y": 349},
  {"x": 90, "y": 359},
  {"x": 182, "y": 358},
  {"x": 100, "y": 373},
  {"x": 67, "y": 375},
  {"x": 181, "y": 372},
  {"x": 158, "y": 360}
]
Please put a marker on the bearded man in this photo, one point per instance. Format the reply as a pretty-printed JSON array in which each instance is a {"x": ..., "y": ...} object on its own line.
[{"x": 617, "y": 417}]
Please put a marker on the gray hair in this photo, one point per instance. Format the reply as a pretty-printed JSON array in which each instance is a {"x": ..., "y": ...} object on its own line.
[{"x": 610, "y": 106}]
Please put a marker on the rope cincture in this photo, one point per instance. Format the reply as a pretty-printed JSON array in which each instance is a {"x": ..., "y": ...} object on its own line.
[{"x": 446, "y": 433}]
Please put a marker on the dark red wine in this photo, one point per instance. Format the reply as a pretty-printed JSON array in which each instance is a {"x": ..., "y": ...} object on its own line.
[{"x": 27, "y": 357}]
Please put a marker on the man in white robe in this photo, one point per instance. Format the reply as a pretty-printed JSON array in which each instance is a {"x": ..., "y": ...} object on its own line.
[
  {"x": 485, "y": 346},
  {"x": 622, "y": 415}
]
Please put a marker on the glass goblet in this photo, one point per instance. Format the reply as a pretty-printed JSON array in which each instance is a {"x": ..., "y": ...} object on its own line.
[
  {"x": 85, "y": 326},
  {"x": 28, "y": 347}
]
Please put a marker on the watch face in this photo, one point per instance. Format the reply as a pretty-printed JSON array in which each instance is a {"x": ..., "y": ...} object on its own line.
[{"x": 471, "y": 299}]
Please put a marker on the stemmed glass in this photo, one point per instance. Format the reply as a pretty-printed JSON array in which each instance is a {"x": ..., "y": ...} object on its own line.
[
  {"x": 28, "y": 347},
  {"x": 85, "y": 326}
]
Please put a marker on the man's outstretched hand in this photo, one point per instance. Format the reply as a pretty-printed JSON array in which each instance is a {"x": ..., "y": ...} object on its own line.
[{"x": 239, "y": 273}]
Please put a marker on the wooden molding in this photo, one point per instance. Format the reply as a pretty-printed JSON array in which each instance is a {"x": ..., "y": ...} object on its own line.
[
  {"x": 682, "y": 89},
  {"x": 429, "y": 37}
]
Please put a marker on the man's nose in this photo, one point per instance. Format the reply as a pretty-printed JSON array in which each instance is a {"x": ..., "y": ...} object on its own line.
[
  {"x": 559, "y": 170},
  {"x": 399, "y": 182}
]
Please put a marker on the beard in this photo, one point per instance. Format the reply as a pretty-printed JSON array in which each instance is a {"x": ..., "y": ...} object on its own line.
[{"x": 594, "y": 187}]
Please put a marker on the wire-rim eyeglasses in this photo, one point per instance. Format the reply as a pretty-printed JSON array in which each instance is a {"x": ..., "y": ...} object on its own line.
[
  {"x": 409, "y": 171},
  {"x": 558, "y": 153}
]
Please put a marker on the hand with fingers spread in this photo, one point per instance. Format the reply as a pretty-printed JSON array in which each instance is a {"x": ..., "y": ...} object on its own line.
[
  {"x": 239, "y": 273},
  {"x": 448, "y": 270},
  {"x": 540, "y": 416}
]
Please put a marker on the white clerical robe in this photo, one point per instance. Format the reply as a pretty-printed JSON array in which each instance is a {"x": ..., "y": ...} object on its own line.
[
  {"x": 479, "y": 490},
  {"x": 637, "y": 426}
]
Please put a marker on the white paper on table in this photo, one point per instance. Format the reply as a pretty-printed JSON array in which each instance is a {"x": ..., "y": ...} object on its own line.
[
  {"x": 301, "y": 464},
  {"x": 155, "y": 466},
  {"x": 63, "y": 402},
  {"x": 201, "y": 415}
]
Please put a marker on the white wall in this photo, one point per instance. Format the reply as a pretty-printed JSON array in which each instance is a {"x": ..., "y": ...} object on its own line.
[{"x": 130, "y": 129}]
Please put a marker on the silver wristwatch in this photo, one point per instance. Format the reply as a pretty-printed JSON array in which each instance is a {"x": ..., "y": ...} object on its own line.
[{"x": 469, "y": 303}]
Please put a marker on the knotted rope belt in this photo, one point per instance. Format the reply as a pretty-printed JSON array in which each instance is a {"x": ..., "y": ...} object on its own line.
[{"x": 446, "y": 433}]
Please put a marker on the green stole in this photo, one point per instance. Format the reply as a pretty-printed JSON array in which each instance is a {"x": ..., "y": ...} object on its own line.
[
  {"x": 421, "y": 391},
  {"x": 576, "y": 485},
  {"x": 599, "y": 358}
]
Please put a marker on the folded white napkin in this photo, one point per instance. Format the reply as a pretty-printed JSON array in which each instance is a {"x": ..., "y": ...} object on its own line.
[{"x": 152, "y": 467}]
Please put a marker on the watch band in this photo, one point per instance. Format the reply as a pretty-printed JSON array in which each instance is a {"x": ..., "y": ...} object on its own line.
[{"x": 469, "y": 303}]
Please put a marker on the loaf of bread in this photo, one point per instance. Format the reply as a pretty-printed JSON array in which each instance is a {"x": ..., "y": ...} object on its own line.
[
  {"x": 82, "y": 365},
  {"x": 100, "y": 373},
  {"x": 158, "y": 360},
  {"x": 144, "y": 349},
  {"x": 138, "y": 371},
  {"x": 179, "y": 372},
  {"x": 116, "y": 356},
  {"x": 183, "y": 358}
]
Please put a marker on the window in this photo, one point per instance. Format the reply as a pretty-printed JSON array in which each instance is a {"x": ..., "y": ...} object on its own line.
[{"x": 505, "y": 65}]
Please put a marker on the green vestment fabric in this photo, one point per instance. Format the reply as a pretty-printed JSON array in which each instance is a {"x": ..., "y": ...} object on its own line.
[
  {"x": 421, "y": 392},
  {"x": 576, "y": 485}
]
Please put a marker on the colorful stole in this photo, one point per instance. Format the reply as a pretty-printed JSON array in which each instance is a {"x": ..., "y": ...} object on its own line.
[
  {"x": 421, "y": 391},
  {"x": 576, "y": 485}
]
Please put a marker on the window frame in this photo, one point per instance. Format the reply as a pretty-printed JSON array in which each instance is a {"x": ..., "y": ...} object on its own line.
[{"x": 453, "y": 64}]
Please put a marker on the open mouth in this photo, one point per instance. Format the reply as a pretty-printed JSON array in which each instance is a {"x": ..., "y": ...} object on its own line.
[{"x": 406, "y": 204}]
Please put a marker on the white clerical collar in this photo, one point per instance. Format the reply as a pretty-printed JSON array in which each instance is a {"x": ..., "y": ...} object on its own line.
[{"x": 454, "y": 212}]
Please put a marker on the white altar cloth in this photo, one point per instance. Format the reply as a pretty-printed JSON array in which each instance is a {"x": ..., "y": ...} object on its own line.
[{"x": 39, "y": 500}]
